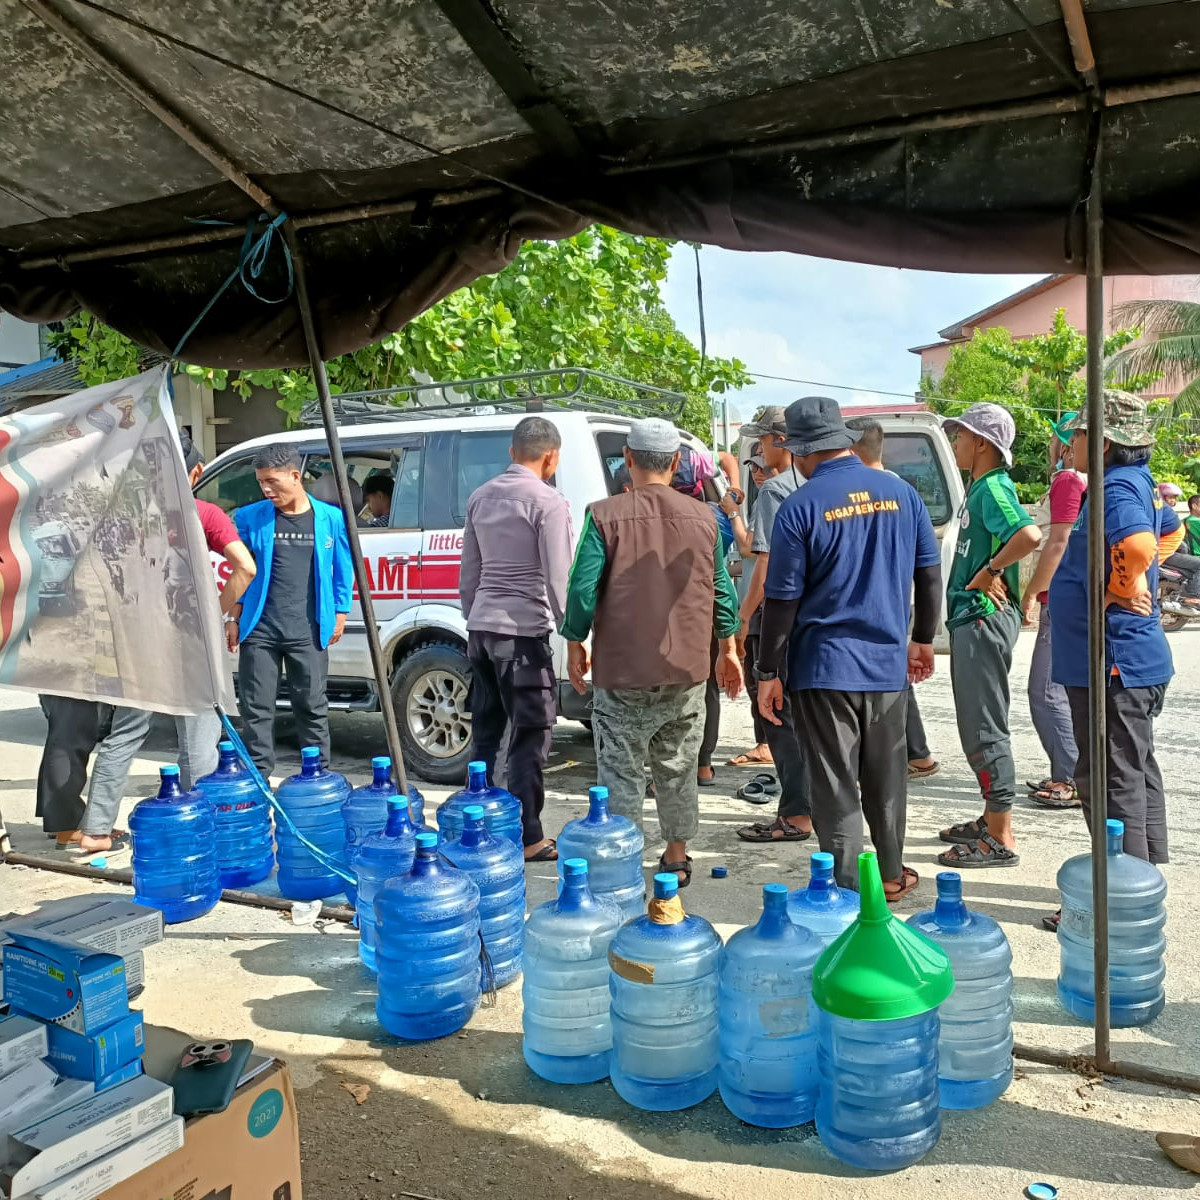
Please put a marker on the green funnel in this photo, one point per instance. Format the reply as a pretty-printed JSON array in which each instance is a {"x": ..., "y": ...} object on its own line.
[{"x": 880, "y": 969}]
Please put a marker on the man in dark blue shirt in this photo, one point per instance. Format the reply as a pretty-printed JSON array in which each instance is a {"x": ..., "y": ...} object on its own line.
[{"x": 846, "y": 551}]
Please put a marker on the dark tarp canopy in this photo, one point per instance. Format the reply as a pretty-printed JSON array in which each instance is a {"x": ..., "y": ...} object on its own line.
[{"x": 416, "y": 143}]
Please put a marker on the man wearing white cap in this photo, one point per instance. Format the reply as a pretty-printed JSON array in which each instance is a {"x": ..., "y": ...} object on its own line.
[
  {"x": 983, "y": 616},
  {"x": 649, "y": 583}
]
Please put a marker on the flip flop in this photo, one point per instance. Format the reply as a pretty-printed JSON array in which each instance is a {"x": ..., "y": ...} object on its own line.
[
  {"x": 677, "y": 868},
  {"x": 118, "y": 837},
  {"x": 970, "y": 856},
  {"x": 712, "y": 782},
  {"x": 750, "y": 760},
  {"x": 762, "y": 789},
  {"x": 967, "y": 831},
  {"x": 923, "y": 772},
  {"x": 548, "y": 853},
  {"x": 1051, "y": 923},
  {"x": 760, "y": 831},
  {"x": 906, "y": 873}
]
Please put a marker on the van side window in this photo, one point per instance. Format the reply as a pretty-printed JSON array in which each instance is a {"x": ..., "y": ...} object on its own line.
[
  {"x": 913, "y": 458},
  {"x": 611, "y": 445},
  {"x": 401, "y": 465},
  {"x": 476, "y": 458},
  {"x": 233, "y": 485},
  {"x": 406, "y": 500}
]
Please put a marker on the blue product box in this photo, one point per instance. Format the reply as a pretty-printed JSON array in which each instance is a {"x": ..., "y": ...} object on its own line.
[
  {"x": 96, "y": 1056},
  {"x": 63, "y": 982},
  {"x": 120, "y": 1075}
]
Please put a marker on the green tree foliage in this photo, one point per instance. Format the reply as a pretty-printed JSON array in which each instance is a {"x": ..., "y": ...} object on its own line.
[
  {"x": 1170, "y": 350},
  {"x": 594, "y": 300}
]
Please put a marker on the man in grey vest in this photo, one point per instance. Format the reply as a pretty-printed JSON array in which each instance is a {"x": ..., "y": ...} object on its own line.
[{"x": 649, "y": 583}]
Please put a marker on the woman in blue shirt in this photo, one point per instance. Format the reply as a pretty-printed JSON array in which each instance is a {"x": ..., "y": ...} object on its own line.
[{"x": 1138, "y": 662}]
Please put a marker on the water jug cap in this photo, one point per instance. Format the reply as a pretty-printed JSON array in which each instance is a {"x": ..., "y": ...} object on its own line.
[
  {"x": 427, "y": 841},
  {"x": 1115, "y": 828},
  {"x": 600, "y": 792},
  {"x": 310, "y": 752},
  {"x": 774, "y": 895},
  {"x": 397, "y": 801},
  {"x": 381, "y": 761},
  {"x": 477, "y": 767},
  {"x": 225, "y": 747},
  {"x": 821, "y": 863},
  {"x": 880, "y": 969},
  {"x": 171, "y": 772},
  {"x": 666, "y": 885},
  {"x": 949, "y": 883},
  {"x": 473, "y": 814},
  {"x": 575, "y": 868}
]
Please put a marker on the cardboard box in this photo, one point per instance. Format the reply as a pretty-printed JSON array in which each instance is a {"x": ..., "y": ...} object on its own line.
[
  {"x": 250, "y": 1151},
  {"x": 21, "y": 1041},
  {"x": 71, "y": 1139},
  {"x": 96, "y": 1055},
  {"x": 56, "y": 980},
  {"x": 62, "y": 1094},
  {"x": 23, "y": 1090},
  {"x": 130, "y": 1070},
  {"x": 114, "y": 1168}
]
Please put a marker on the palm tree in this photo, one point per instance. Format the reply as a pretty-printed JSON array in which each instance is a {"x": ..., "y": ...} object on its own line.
[{"x": 1169, "y": 349}]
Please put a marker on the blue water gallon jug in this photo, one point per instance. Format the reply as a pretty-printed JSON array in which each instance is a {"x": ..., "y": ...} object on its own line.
[
  {"x": 498, "y": 869},
  {"x": 612, "y": 846},
  {"x": 1137, "y": 916},
  {"x": 768, "y": 1071},
  {"x": 975, "y": 1044},
  {"x": 245, "y": 847},
  {"x": 313, "y": 801},
  {"x": 174, "y": 840},
  {"x": 427, "y": 947},
  {"x": 823, "y": 907},
  {"x": 381, "y": 856},
  {"x": 564, "y": 995},
  {"x": 663, "y": 986},
  {"x": 366, "y": 809},
  {"x": 876, "y": 991},
  {"x": 501, "y": 809}
]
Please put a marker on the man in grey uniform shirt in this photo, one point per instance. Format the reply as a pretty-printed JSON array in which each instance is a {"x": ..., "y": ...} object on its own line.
[{"x": 513, "y": 584}]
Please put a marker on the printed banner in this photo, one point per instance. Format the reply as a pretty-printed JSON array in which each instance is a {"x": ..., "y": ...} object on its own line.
[{"x": 106, "y": 592}]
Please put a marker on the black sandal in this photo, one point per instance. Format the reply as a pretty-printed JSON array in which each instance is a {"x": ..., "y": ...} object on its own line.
[
  {"x": 967, "y": 831},
  {"x": 995, "y": 855},
  {"x": 1057, "y": 795},
  {"x": 677, "y": 868},
  {"x": 548, "y": 853},
  {"x": 760, "y": 831},
  {"x": 1051, "y": 923}
]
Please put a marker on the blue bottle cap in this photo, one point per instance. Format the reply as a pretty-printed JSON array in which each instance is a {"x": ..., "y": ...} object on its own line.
[
  {"x": 473, "y": 812},
  {"x": 381, "y": 760},
  {"x": 666, "y": 885},
  {"x": 427, "y": 841},
  {"x": 1115, "y": 829},
  {"x": 600, "y": 792},
  {"x": 1042, "y": 1191},
  {"x": 822, "y": 860},
  {"x": 225, "y": 747},
  {"x": 575, "y": 868},
  {"x": 476, "y": 766},
  {"x": 720, "y": 872},
  {"x": 310, "y": 752},
  {"x": 169, "y": 772}
]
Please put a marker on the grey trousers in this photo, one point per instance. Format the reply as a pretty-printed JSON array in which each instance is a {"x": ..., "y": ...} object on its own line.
[
  {"x": 980, "y": 658},
  {"x": 1049, "y": 708},
  {"x": 1135, "y": 784},
  {"x": 855, "y": 745},
  {"x": 110, "y": 772},
  {"x": 662, "y": 726},
  {"x": 198, "y": 737}
]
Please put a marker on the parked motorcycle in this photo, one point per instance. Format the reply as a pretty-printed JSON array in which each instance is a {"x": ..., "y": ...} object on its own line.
[{"x": 1173, "y": 612}]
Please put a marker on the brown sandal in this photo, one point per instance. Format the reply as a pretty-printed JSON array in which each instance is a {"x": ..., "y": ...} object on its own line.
[
  {"x": 903, "y": 887},
  {"x": 750, "y": 760}
]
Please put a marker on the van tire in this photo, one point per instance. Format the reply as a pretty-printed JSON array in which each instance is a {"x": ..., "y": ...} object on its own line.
[{"x": 428, "y": 727}]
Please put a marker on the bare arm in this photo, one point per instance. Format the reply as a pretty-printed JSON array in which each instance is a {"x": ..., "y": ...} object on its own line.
[
  {"x": 1052, "y": 552},
  {"x": 756, "y": 589},
  {"x": 240, "y": 576}
]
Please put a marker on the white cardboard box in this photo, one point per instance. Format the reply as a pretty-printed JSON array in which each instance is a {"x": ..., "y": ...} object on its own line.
[
  {"x": 120, "y": 1165},
  {"x": 21, "y": 1091},
  {"x": 69, "y": 1140},
  {"x": 65, "y": 1093},
  {"x": 21, "y": 1040}
]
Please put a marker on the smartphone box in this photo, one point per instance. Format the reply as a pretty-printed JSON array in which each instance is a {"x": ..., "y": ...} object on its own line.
[
  {"x": 131, "y": 1070},
  {"x": 22, "y": 1090},
  {"x": 250, "y": 1150},
  {"x": 71, "y": 985},
  {"x": 21, "y": 1039},
  {"x": 71, "y": 1139},
  {"x": 97, "y": 1177},
  {"x": 62, "y": 1094},
  {"x": 96, "y": 1055}
]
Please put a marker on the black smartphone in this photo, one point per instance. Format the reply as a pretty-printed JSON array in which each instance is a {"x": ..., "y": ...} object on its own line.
[{"x": 207, "y": 1076}]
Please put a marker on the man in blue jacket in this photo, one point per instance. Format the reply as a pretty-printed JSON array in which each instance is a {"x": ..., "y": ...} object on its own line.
[{"x": 296, "y": 607}]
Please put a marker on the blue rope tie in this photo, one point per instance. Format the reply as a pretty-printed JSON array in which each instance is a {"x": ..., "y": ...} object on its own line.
[{"x": 251, "y": 263}]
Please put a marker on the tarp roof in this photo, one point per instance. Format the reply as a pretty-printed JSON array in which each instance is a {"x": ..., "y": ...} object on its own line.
[{"x": 943, "y": 134}]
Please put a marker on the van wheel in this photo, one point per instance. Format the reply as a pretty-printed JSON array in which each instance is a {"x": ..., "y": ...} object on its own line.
[{"x": 429, "y": 690}]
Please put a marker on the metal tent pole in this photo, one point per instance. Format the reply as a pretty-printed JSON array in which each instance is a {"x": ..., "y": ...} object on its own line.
[
  {"x": 378, "y": 660},
  {"x": 1097, "y": 676}
]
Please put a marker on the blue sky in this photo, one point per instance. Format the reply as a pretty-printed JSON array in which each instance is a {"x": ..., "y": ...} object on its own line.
[{"x": 817, "y": 319}]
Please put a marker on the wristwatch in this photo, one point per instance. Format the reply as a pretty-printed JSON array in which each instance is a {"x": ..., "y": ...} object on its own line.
[
  {"x": 765, "y": 676},
  {"x": 994, "y": 572}
]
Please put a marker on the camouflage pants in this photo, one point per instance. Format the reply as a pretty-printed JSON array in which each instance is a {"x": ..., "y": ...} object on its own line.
[{"x": 661, "y": 725}]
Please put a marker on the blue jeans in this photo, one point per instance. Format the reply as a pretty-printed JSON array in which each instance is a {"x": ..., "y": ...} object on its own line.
[{"x": 1049, "y": 708}]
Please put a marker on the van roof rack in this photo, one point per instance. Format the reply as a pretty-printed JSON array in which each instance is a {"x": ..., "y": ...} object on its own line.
[{"x": 575, "y": 389}]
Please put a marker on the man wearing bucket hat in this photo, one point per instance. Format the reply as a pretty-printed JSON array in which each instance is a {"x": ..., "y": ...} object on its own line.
[
  {"x": 984, "y": 619},
  {"x": 1138, "y": 663},
  {"x": 848, "y": 552},
  {"x": 1056, "y": 513},
  {"x": 650, "y": 581}
]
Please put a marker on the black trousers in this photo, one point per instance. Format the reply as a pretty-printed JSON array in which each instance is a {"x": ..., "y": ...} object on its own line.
[
  {"x": 260, "y": 659},
  {"x": 1135, "y": 784},
  {"x": 513, "y": 683},
  {"x": 72, "y": 733},
  {"x": 917, "y": 744},
  {"x": 795, "y": 783},
  {"x": 712, "y": 710},
  {"x": 760, "y": 726},
  {"x": 854, "y": 742}
]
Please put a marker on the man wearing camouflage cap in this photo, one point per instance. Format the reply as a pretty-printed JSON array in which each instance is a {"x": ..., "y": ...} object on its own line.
[{"x": 1138, "y": 527}]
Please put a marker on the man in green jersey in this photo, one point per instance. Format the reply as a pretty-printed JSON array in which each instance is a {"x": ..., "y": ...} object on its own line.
[{"x": 983, "y": 616}]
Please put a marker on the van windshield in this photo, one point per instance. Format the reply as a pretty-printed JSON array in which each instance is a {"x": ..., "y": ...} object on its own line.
[{"x": 913, "y": 457}]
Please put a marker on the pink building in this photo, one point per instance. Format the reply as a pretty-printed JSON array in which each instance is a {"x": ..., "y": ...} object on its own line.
[{"x": 1032, "y": 309}]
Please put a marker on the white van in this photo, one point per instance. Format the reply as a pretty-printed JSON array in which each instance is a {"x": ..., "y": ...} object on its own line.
[{"x": 438, "y": 454}]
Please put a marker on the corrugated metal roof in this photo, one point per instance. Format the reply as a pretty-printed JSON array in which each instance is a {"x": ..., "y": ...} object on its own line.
[{"x": 50, "y": 377}]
